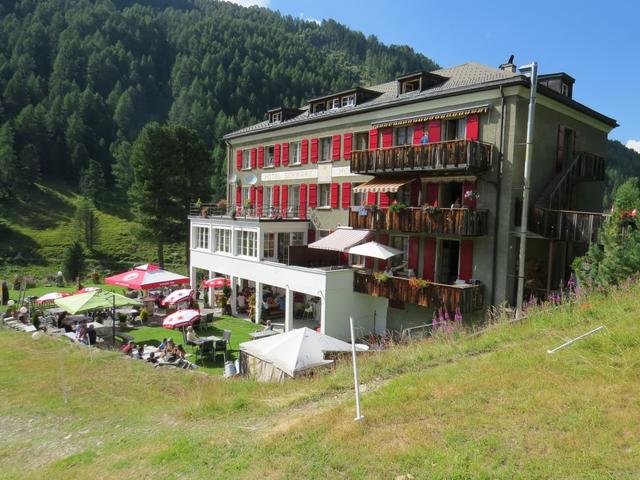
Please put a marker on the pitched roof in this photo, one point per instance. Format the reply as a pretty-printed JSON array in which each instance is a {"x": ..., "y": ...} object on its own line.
[{"x": 460, "y": 78}]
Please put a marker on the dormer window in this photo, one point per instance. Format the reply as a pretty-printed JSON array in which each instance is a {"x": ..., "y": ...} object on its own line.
[
  {"x": 411, "y": 86},
  {"x": 282, "y": 114},
  {"x": 319, "y": 107},
  {"x": 276, "y": 117},
  {"x": 348, "y": 101},
  {"x": 333, "y": 104},
  {"x": 565, "y": 90}
]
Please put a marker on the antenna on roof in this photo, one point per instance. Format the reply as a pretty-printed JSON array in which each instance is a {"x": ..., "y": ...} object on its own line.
[
  {"x": 509, "y": 66},
  {"x": 510, "y": 59}
]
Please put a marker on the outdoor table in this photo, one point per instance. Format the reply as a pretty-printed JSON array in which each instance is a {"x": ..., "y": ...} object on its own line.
[
  {"x": 263, "y": 334},
  {"x": 209, "y": 339}
]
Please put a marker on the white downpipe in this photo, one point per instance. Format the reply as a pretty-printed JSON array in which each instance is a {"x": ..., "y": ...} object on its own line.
[
  {"x": 355, "y": 371},
  {"x": 533, "y": 68}
]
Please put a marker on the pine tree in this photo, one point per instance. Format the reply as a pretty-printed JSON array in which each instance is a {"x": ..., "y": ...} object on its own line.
[
  {"x": 87, "y": 224},
  {"x": 92, "y": 183},
  {"x": 73, "y": 261},
  {"x": 8, "y": 162}
]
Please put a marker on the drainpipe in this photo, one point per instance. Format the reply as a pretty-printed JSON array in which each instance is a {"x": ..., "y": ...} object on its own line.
[
  {"x": 533, "y": 71},
  {"x": 494, "y": 274},
  {"x": 226, "y": 180}
]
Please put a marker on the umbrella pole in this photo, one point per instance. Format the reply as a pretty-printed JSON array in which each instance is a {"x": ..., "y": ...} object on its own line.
[{"x": 113, "y": 321}]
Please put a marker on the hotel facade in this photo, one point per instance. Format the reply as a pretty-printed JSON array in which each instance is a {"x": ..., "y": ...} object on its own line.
[{"x": 431, "y": 164}]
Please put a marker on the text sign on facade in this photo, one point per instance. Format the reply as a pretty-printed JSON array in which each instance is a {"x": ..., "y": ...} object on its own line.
[{"x": 324, "y": 174}]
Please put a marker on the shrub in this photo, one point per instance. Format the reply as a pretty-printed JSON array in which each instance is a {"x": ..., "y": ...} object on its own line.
[
  {"x": 415, "y": 282},
  {"x": 380, "y": 276},
  {"x": 144, "y": 315}
]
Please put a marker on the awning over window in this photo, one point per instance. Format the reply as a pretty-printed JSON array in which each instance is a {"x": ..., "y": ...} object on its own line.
[
  {"x": 381, "y": 184},
  {"x": 448, "y": 114},
  {"x": 341, "y": 240}
]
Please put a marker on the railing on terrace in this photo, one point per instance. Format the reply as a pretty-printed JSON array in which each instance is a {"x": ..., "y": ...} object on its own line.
[
  {"x": 467, "y": 298},
  {"x": 208, "y": 210},
  {"x": 445, "y": 221},
  {"x": 438, "y": 157},
  {"x": 566, "y": 225}
]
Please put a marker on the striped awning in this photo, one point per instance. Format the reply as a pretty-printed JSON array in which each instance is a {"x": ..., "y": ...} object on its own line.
[
  {"x": 381, "y": 184},
  {"x": 341, "y": 239},
  {"x": 447, "y": 114}
]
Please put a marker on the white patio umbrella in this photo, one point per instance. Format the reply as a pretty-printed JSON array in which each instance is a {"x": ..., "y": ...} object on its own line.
[
  {"x": 375, "y": 250},
  {"x": 178, "y": 296},
  {"x": 181, "y": 319}
]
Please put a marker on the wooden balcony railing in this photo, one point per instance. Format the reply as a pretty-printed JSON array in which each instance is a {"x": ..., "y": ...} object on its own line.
[
  {"x": 566, "y": 225},
  {"x": 438, "y": 157},
  {"x": 467, "y": 298},
  {"x": 444, "y": 221}
]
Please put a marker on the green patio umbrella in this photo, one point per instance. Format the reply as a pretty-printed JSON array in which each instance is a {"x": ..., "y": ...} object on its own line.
[{"x": 96, "y": 300}]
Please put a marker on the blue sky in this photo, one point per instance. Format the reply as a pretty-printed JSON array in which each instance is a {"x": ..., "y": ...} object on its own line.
[{"x": 598, "y": 43}]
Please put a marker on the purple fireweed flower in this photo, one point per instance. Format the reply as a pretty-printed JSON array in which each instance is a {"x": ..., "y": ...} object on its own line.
[{"x": 458, "y": 316}]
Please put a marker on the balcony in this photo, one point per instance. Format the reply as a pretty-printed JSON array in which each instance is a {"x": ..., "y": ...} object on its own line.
[
  {"x": 211, "y": 210},
  {"x": 566, "y": 225},
  {"x": 467, "y": 298},
  {"x": 443, "y": 221},
  {"x": 440, "y": 158}
]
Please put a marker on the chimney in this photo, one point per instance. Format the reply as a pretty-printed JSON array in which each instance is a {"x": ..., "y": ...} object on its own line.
[{"x": 508, "y": 67}]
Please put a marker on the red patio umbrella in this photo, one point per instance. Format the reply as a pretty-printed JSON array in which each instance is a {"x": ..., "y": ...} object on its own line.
[
  {"x": 146, "y": 277},
  {"x": 85, "y": 290},
  {"x": 217, "y": 282},
  {"x": 50, "y": 297},
  {"x": 181, "y": 318},
  {"x": 178, "y": 296}
]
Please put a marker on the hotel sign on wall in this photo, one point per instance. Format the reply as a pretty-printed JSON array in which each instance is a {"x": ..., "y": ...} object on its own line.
[{"x": 324, "y": 174}]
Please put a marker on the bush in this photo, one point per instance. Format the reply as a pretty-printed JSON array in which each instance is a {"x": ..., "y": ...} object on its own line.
[
  {"x": 144, "y": 315},
  {"x": 95, "y": 277}
]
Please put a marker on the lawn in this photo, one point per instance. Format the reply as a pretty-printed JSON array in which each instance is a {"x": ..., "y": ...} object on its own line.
[
  {"x": 494, "y": 405},
  {"x": 240, "y": 330}
]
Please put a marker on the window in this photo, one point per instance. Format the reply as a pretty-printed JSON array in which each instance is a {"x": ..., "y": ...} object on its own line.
[
  {"x": 267, "y": 198},
  {"x": 410, "y": 86},
  {"x": 323, "y": 233},
  {"x": 361, "y": 141},
  {"x": 325, "y": 149},
  {"x": 451, "y": 194},
  {"x": 276, "y": 117},
  {"x": 268, "y": 156},
  {"x": 269, "y": 245},
  {"x": 333, "y": 104},
  {"x": 403, "y": 135},
  {"x": 246, "y": 159},
  {"x": 297, "y": 238},
  {"x": 222, "y": 240},
  {"x": 449, "y": 259},
  {"x": 246, "y": 195},
  {"x": 319, "y": 107},
  {"x": 358, "y": 198},
  {"x": 324, "y": 195},
  {"x": 201, "y": 238},
  {"x": 349, "y": 101},
  {"x": 455, "y": 129},
  {"x": 401, "y": 243},
  {"x": 294, "y": 198},
  {"x": 564, "y": 89},
  {"x": 247, "y": 244},
  {"x": 295, "y": 153}
]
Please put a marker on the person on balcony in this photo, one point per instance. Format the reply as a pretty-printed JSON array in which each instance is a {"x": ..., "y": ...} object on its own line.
[
  {"x": 388, "y": 272},
  {"x": 425, "y": 138}
]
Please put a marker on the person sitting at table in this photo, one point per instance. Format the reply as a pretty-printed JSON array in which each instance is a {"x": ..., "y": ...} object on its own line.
[
  {"x": 81, "y": 333},
  {"x": 139, "y": 353},
  {"x": 192, "y": 336},
  {"x": 127, "y": 349},
  {"x": 163, "y": 344},
  {"x": 152, "y": 358},
  {"x": 92, "y": 335}
]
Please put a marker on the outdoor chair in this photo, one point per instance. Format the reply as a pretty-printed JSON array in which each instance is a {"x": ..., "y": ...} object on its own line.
[
  {"x": 220, "y": 348},
  {"x": 307, "y": 312},
  {"x": 195, "y": 348},
  {"x": 206, "y": 350}
]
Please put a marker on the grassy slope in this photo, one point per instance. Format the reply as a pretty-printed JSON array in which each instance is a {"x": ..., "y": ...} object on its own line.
[
  {"x": 490, "y": 406},
  {"x": 41, "y": 228}
]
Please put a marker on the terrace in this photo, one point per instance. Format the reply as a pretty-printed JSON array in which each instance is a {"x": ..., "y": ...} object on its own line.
[{"x": 454, "y": 156}]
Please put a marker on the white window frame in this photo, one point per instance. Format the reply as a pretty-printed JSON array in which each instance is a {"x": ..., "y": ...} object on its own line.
[
  {"x": 324, "y": 155},
  {"x": 222, "y": 240},
  {"x": 269, "y": 155},
  {"x": 403, "y": 245},
  {"x": 295, "y": 153},
  {"x": 333, "y": 104},
  {"x": 201, "y": 236},
  {"x": 247, "y": 243},
  {"x": 324, "y": 189},
  {"x": 267, "y": 197},
  {"x": 296, "y": 239},
  {"x": 276, "y": 117},
  {"x": 269, "y": 241},
  {"x": 246, "y": 159},
  {"x": 349, "y": 100},
  {"x": 319, "y": 107},
  {"x": 246, "y": 195},
  {"x": 293, "y": 198},
  {"x": 403, "y": 135},
  {"x": 357, "y": 198}
]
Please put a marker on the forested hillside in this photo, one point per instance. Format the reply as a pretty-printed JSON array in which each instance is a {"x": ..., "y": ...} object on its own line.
[
  {"x": 79, "y": 79},
  {"x": 622, "y": 163}
]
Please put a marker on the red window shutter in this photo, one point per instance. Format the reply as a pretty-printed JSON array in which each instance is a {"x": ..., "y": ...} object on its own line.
[
  {"x": 254, "y": 164},
  {"x": 285, "y": 154},
  {"x": 335, "y": 150},
  {"x": 304, "y": 154},
  {"x": 372, "y": 198},
  {"x": 429, "y": 264},
  {"x": 259, "y": 200},
  {"x": 302, "y": 210},
  {"x": 417, "y": 133},
  {"x": 260, "y": 157},
  {"x": 434, "y": 130},
  {"x": 414, "y": 246},
  {"x": 276, "y": 196},
  {"x": 373, "y": 139},
  {"x": 239, "y": 196},
  {"x": 239, "y": 160},
  {"x": 276, "y": 155},
  {"x": 311, "y": 234},
  {"x": 433, "y": 189},
  {"x": 384, "y": 240},
  {"x": 468, "y": 186},
  {"x": 387, "y": 137},
  {"x": 284, "y": 198},
  {"x": 335, "y": 195},
  {"x": 313, "y": 195},
  {"x": 346, "y": 195},
  {"x": 348, "y": 143},
  {"x": 466, "y": 260},
  {"x": 252, "y": 195},
  {"x": 314, "y": 150},
  {"x": 384, "y": 200},
  {"x": 473, "y": 125}
]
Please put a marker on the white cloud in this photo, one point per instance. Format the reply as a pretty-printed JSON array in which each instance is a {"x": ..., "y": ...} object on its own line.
[
  {"x": 314, "y": 20},
  {"x": 633, "y": 145},
  {"x": 251, "y": 3}
]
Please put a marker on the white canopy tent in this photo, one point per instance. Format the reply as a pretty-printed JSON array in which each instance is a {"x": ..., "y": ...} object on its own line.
[
  {"x": 289, "y": 354},
  {"x": 341, "y": 239},
  {"x": 375, "y": 250}
]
